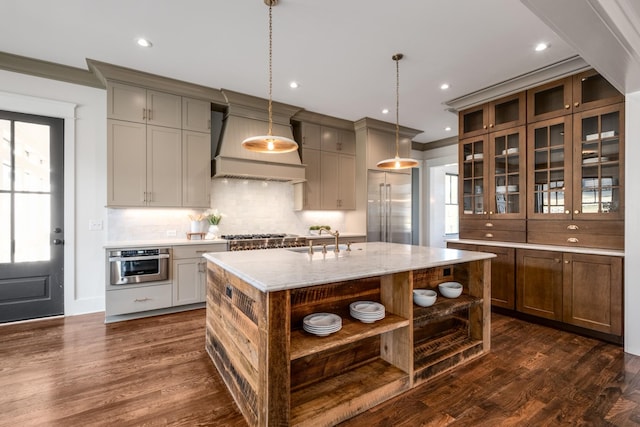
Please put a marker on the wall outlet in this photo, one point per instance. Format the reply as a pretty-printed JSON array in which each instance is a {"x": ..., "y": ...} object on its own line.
[
  {"x": 95, "y": 224},
  {"x": 171, "y": 233}
]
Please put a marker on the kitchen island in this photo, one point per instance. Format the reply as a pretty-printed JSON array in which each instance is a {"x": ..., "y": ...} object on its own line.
[{"x": 279, "y": 374}]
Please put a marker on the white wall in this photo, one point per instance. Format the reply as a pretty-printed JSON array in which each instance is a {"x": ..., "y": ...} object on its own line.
[
  {"x": 632, "y": 225},
  {"x": 436, "y": 205},
  {"x": 85, "y": 176}
]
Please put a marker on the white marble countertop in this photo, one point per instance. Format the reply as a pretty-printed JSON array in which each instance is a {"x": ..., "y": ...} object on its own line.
[
  {"x": 279, "y": 269},
  {"x": 591, "y": 251},
  {"x": 161, "y": 243}
]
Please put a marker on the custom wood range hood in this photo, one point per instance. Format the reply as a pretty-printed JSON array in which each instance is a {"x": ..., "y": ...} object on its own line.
[{"x": 248, "y": 116}]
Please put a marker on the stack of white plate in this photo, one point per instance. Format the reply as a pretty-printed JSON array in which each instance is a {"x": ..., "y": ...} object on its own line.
[
  {"x": 322, "y": 324},
  {"x": 366, "y": 311}
]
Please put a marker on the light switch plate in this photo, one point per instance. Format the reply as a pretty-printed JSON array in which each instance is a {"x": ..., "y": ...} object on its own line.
[{"x": 95, "y": 224}]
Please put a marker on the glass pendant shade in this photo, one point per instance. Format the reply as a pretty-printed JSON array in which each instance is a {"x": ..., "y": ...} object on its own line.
[
  {"x": 397, "y": 162},
  {"x": 270, "y": 143}
]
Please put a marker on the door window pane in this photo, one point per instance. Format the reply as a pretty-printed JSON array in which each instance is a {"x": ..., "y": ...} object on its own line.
[
  {"x": 5, "y": 228},
  {"x": 5, "y": 155},
  {"x": 33, "y": 221},
  {"x": 32, "y": 157}
]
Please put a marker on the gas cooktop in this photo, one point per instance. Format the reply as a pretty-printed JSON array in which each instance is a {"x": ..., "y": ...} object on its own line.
[{"x": 243, "y": 242}]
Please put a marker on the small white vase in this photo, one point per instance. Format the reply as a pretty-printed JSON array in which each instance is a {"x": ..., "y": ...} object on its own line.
[
  {"x": 213, "y": 232},
  {"x": 196, "y": 226}
]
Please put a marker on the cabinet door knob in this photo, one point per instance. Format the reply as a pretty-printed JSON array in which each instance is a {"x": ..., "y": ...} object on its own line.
[
  {"x": 488, "y": 235},
  {"x": 484, "y": 212},
  {"x": 489, "y": 224},
  {"x": 566, "y": 261},
  {"x": 567, "y": 212},
  {"x": 572, "y": 227},
  {"x": 484, "y": 126},
  {"x": 557, "y": 260},
  {"x": 577, "y": 104},
  {"x": 567, "y": 106},
  {"x": 572, "y": 240},
  {"x": 490, "y": 125},
  {"x": 490, "y": 212},
  {"x": 576, "y": 212}
]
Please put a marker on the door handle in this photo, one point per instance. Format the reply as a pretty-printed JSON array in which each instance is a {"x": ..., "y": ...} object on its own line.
[
  {"x": 57, "y": 230},
  {"x": 58, "y": 241}
]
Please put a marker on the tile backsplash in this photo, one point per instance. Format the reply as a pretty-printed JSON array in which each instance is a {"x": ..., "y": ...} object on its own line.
[{"x": 247, "y": 206}]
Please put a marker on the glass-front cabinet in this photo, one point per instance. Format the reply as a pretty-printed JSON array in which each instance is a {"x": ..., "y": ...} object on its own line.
[
  {"x": 507, "y": 173},
  {"x": 598, "y": 165},
  {"x": 549, "y": 166},
  {"x": 472, "y": 184},
  {"x": 493, "y": 182}
]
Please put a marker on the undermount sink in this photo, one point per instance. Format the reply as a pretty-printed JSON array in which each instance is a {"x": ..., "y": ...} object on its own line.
[{"x": 318, "y": 249}]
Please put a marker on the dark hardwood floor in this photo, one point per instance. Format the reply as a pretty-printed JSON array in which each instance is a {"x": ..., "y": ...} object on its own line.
[{"x": 78, "y": 371}]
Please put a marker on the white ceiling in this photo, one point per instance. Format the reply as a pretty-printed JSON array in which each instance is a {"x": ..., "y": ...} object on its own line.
[{"x": 339, "y": 50}]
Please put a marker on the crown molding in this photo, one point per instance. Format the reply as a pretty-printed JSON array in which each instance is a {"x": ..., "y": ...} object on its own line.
[
  {"x": 48, "y": 70},
  {"x": 564, "y": 68}
]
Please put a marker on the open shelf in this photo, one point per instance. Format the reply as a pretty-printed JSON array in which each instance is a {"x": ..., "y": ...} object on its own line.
[
  {"x": 438, "y": 354},
  {"x": 443, "y": 307},
  {"x": 338, "y": 398},
  {"x": 304, "y": 343}
]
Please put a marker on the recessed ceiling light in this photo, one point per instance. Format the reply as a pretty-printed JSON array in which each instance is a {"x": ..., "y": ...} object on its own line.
[
  {"x": 541, "y": 46},
  {"x": 144, "y": 42},
  {"x": 444, "y": 86},
  {"x": 385, "y": 111},
  {"x": 294, "y": 85},
  {"x": 448, "y": 128}
]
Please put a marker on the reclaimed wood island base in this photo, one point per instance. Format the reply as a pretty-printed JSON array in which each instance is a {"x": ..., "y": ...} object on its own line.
[{"x": 279, "y": 374}]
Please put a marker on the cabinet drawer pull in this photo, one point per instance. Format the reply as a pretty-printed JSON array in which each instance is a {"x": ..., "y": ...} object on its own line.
[
  {"x": 142, "y": 299},
  {"x": 572, "y": 240},
  {"x": 488, "y": 235},
  {"x": 489, "y": 224},
  {"x": 572, "y": 227},
  {"x": 144, "y": 114}
]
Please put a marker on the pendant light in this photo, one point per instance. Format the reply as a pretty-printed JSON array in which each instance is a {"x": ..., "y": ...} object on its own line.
[
  {"x": 397, "y": 162},
  {"x": 270, "y": 143}
]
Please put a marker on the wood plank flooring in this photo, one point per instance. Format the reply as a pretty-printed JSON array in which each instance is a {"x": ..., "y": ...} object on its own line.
[{"x": 78, "y": 371}]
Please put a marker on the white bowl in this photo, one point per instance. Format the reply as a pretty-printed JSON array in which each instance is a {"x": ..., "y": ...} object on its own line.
[
  {"x": 424, "y": 297},
  {"x": 450, "y": 289}
]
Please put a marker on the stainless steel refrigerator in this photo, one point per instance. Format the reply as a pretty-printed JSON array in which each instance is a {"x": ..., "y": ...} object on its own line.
[{"x": 388, "y": 207}]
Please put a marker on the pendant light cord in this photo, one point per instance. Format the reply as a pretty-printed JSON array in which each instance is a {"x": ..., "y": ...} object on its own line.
[
  {"x": 270, "y": 68},
  {"x": 397, "y": 58}
]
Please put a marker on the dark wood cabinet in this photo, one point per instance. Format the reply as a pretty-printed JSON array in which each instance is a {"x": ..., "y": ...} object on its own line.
[
  {"x": 578, "y": 289},
  {"x": 592, "y": 90},
  {"x": 539, "y": 283},
  {"x": 503, "y": 113},
  {"x": 502, "y": 272},
  {"x": 592, "y": 292}
]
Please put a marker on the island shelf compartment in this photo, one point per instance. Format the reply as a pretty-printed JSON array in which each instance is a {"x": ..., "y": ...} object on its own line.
[{"x": 361, "y": 365}]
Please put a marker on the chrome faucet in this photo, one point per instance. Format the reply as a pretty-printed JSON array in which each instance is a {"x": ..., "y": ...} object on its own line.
[{"x": 335, "y": 234}]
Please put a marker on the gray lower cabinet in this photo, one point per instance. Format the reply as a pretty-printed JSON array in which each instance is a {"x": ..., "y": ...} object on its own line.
[
  {"x": 187, "y": 285},
  {"x": 190, "y": 272}
]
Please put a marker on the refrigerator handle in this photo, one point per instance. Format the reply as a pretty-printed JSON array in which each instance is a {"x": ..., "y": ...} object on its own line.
[
  {"x": 388, "y": 213},
  {"x": 382, "y": 214}
]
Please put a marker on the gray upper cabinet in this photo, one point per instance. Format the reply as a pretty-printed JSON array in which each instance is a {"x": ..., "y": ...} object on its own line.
[
  {"x": 310, "y": 135},
  {"x": 156, "y": 155},
  {"x": 135, "y": 104},
  {"x": 196, "y": 115}
]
